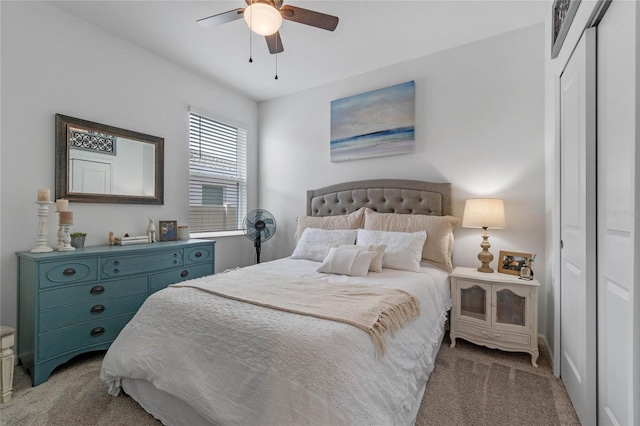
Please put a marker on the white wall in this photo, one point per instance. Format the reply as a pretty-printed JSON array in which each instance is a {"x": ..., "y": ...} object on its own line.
[
  {"x": 479, "y": 125},
  {"x": 53, "y": 63}
]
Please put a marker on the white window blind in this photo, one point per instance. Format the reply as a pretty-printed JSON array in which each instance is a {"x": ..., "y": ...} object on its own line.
[{"x": 217, "y": 175}]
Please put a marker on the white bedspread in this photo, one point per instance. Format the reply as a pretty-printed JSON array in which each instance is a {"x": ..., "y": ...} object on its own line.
[{"x": 237, "y": 363}]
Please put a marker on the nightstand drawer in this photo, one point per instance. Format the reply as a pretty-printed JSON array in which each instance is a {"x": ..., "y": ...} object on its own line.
[
  {"x": 65, "y": 316},
  {"x": 498, "y": 336},
  {"x": 92, "y": 291},
  {"x": 79, "y": 336},
  {"x": 68, "y": 272},
  {"x": 116, "y": 266},
  {"x": 160, "y": 281}
]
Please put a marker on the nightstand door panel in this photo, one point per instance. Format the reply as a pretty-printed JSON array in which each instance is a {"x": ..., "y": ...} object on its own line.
[
  {"x": 512, "y": 307},
  {"x": 473, "y": 301}
]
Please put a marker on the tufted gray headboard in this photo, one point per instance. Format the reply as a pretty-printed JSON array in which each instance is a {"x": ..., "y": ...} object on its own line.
[{"x": 381, "y": 195}]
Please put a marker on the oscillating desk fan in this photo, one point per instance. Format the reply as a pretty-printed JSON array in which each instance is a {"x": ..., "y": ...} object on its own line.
[{"x": 260, "y": 225}]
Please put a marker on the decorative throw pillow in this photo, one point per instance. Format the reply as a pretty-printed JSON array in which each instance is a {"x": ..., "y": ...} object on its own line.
[
  {"x": 314, "y": 243},
  {"x": 438, "y": 247},
  {"x": 347, "y": 221},
  {"x": 376, "y": 263},
  {"x": 344, "y": 261},
  {"x": 403, "y": 250}
]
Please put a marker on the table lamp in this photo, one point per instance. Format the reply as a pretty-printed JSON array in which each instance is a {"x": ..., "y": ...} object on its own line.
[{"x": 484, "y": 213}]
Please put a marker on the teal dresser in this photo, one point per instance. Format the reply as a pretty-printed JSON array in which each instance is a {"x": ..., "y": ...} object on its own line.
[{"x": 78, "y": 301}]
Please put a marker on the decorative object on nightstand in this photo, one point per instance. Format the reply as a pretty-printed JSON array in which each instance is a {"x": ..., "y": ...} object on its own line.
[
  {"x": 484, "y": 213},
  {"x": 496, "y": 310},
  {"x": 526, "y": 272},
  {"x": 7, "y": 336}
]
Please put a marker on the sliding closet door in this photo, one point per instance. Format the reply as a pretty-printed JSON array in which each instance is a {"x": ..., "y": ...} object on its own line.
[
  {"x": 577, "y": 228},
  {"x": 617, "y": 215}
]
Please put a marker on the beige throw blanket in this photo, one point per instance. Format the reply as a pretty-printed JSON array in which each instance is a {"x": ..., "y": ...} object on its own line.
[{"x": 372, "y": 309}]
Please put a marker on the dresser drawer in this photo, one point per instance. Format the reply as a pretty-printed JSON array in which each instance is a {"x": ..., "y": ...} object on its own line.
[
  {"x": 68, "y": 272},
  {"x": 162, "y": 280},
  {"x": 79, "y": 336},
  {"x": 498, "y": 336},
  {"x": 88, "y": 311},
  {"x": 199, "y": 254},
  {"x": 92, "y": 292},
  {"x": 115, "y": 266}
]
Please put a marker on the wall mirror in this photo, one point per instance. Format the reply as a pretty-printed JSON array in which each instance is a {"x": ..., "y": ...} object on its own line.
[{"x": 97, "y": 163}]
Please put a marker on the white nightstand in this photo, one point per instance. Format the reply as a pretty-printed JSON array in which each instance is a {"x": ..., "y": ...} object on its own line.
[{"x": 496, "y": 310}]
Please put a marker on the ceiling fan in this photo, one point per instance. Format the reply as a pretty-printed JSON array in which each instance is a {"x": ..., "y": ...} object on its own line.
[{"x": 264, "y": 17}]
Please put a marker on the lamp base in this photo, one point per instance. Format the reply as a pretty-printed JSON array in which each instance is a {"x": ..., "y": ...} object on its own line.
[
  {"x": 485, "y": 268},
  {"x": 485, "y": 257}
]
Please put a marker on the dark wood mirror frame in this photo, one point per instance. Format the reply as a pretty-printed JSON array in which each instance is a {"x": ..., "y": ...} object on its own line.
[{"x": 62, "y": 163}]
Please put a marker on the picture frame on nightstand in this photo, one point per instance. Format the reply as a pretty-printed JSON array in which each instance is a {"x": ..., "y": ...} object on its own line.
[{"x": 510, "y": 262}]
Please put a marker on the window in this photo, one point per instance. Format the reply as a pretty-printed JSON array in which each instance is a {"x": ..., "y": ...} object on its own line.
[{"x": 217, "y": 175}]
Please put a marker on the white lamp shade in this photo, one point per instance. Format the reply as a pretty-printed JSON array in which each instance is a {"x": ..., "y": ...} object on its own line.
[
  {"x": 262, "y": 18},
  {"x": 483, "y": 213}
]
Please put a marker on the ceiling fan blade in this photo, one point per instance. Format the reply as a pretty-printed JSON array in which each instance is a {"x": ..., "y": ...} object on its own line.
[
  {"x": 309, "y": 17},
  {"x": 274, "y": 42},
  {"x": 221, "y": 18}
]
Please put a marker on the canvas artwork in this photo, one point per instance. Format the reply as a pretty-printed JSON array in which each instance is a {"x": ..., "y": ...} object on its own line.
[{"x": 374, "y": 124}]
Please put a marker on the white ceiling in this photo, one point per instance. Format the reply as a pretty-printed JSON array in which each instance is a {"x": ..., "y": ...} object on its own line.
[{"x": 370, "y": 35}]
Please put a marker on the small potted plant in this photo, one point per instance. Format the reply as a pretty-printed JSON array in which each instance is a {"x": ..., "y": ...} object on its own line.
[
  {"x": 77, "y": 239},
  {"x": 526, "y": 273}
]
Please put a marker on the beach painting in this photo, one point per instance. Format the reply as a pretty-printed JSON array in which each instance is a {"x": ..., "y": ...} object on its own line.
[{"x": 374, "y": 124}]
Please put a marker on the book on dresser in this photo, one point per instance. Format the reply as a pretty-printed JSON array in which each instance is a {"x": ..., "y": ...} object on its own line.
[{"x": 74, "y": 302}]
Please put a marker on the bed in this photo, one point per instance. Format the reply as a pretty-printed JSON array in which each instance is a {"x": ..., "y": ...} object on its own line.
[{"x": 193, "y": 355}]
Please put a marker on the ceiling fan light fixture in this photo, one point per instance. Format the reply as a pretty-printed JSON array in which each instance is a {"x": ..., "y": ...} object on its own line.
[{"x": 262, "y": 18}]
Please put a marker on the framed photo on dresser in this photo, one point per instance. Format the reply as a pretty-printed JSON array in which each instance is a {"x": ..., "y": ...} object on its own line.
[{"x": 168, "y": 230}]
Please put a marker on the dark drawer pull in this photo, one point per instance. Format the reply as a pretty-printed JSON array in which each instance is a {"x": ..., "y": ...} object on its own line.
[
  {"x": 116, "y": 263},
  {"x": 97, "y": 290},
  {"x": 198, "y": 254},
  {"x": 97, "y": 309},
  {"x": 175, "y": 262},
  {"x": 69, "y": 272},
  {"x": 98, "y": 331},
  {"x": 115, "y": 271},
  {"x": 184, "y": 273},
  {"x": 175, "y": 254}
]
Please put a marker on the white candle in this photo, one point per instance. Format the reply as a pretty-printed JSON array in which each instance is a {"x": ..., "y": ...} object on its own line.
[
  {"x": 44, "y": 195},
  {"x": 62, "y": 205},
  {"x": 66, "y": 217}
]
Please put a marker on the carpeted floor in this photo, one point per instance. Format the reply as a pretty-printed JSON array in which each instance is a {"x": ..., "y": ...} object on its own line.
[{"x": 470, "y": 385}]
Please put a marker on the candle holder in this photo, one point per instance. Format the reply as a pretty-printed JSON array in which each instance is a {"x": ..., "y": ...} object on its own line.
[
  {"x": 66, "y": 238},
  {"x": 43, "y": 232}
]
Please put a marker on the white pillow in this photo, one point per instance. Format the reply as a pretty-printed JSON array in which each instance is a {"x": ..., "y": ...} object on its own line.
[
  {"x": 345, "y": 261},
  {"x": 404, "y": 249},
  {"x": 314, "y": 243},
  {"x": 376, "y": 263}
]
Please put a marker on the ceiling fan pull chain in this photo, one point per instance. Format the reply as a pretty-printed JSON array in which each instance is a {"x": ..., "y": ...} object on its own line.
[
  {"x": 250, "y": 47},
  {"x": 276, "y": 67},
  {"x": 250, "y": 40}
]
